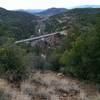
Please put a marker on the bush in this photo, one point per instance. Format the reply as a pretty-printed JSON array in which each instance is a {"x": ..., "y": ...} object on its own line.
[
  {"x": 5, "y": 96},
  {"x": 12, "y": 63},
  {"x": 83, "y": 59}
]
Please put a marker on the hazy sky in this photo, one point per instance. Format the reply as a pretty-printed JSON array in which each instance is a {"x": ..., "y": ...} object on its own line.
[{"x": 44, "y": 4}]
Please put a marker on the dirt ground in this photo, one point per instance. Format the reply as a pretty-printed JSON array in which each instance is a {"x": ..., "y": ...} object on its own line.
[{"x": 49, "y": 85}]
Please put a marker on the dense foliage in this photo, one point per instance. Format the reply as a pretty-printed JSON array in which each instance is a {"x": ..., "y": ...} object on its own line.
[
  {"x": 12, "y": 62},
  {"x": 77, "y": 54},
  {"x": 20, "y": 24},
  {"x": 75, "y": 17},
  {"x": 11, "y": 57},
  {"x": 82, "y": 59}
]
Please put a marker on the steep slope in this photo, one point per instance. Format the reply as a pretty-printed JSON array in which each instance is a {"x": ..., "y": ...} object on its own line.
[
  {"x": 66, "y": 21},
  {"x": 49, "y": 85},
  {"x": 21, "y": 24}
]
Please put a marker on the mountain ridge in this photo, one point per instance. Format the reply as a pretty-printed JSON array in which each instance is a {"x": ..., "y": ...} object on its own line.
[
  {"x": 89, "y": 6},
  {"x": 52, "y": 11},
  {"x": 31, "y": 11},
  {"x": 49, "y": 11}
]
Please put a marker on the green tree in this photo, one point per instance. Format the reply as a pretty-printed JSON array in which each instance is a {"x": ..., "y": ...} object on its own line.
[
  {"x": 12, "y": 63},
  {"x": 83, "y": 60}
]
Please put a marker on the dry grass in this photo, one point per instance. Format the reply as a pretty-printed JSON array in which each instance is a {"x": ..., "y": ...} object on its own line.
[{"x": 50, "y": 86}]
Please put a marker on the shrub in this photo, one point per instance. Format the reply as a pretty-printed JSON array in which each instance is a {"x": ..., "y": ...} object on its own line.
[
  {"x": 12, "y": 63},
  {"x": 5, "y": 96},
  {"x": 83, "y": 59}
]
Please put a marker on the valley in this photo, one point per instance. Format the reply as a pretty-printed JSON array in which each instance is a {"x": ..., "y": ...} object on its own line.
[{"x": 52, "y": 55}]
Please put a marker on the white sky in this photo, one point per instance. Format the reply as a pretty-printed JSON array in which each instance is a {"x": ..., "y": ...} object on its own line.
[{"x": 44, "y": 4}]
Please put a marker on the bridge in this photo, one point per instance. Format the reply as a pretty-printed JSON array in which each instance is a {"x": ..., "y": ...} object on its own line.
[{"x": 38, "y": 37}]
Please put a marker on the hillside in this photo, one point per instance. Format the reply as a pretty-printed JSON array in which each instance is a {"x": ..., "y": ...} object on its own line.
[
  {"x": 63, "y": 68},
  {"x": 21, "y": 24},
  {"x": 49, "y": 86},
  {"x": 52, "y": 11},
  {"x": 82, "y": 17}
]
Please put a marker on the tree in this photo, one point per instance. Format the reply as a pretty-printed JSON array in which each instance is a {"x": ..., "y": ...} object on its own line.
[
  {"x": 83, "y": 59},
  {"x": 12, "y": 63}
]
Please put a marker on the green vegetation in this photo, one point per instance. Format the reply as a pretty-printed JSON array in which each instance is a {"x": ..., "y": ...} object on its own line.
[
  {"x": 77, "y": 54},
  {"x": 81, "y": 18},
  {"x": 81, "y": 58},
  {"x": 11, "y": 57},
  {"x": 12, "y": 63},
  {"x": 20, "y": 24}
]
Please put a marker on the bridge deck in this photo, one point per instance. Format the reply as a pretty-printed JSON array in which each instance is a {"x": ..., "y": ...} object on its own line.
[{"x": 36, "y": 38}]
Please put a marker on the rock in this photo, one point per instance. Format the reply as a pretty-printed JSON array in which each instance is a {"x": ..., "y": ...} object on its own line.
[
  {"x": 59, "y": 74},
  {"x": 64, "y": 94}
]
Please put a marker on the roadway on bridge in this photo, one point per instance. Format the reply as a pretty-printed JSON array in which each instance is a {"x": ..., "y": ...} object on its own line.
[{"x": 36, "y": 38}]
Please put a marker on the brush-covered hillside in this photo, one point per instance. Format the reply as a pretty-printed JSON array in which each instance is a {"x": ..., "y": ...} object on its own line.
[
  {"x": 80, "y": 17},
  {"x": 20, "y": 24},
  {"x": 41, "y": 71}
]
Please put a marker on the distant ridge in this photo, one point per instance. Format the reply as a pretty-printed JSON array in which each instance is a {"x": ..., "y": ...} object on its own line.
[
  {"x": 2, "y": 9},
  {"x": 52, "y": 11},
  {"x": 88, "y": 6},
  {"x": 49, "y": 12},
  {"x": 31, "y": 11}
]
